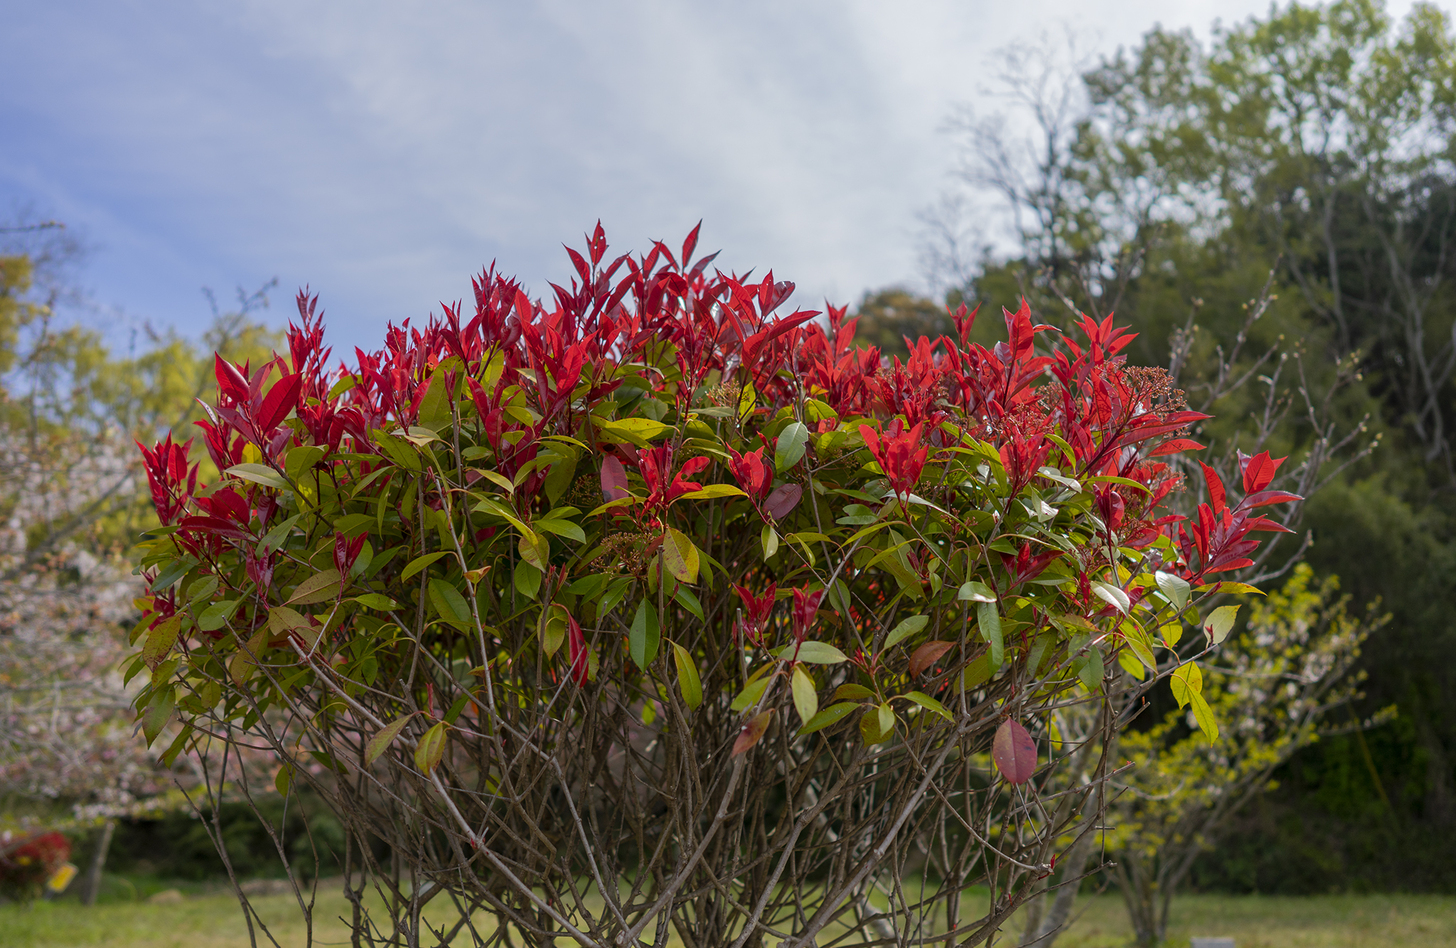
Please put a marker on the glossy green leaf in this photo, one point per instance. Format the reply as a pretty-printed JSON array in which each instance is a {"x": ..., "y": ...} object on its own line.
[
  {"x": 687, "y": 677},
  {"x": 420, "y": 562},
  {"x": 927, "y": 702},
  {"x": 815, "y": 653},
  {"x": 431, "y": 748},
  {"x": 680, "y": 556},
  {"x": 448, "y": 602},
  {"x": 976, "y": 592},
  {"x": 829, "y": 716},
  {"x": 318, "y": 588},
  {"x": 1174, "y": 587},
  {"x": 989, "y": 622},
  {"x": 380, "y": 742},
  {"x": 790, "y": 446},
  {"x": 1219, "y": 623},
  {"x": 645, "y": 637},
  {"x": 806, "y": 696},
  {"x": 906, "y": 629},
  {"x": 259, "y": 474}
]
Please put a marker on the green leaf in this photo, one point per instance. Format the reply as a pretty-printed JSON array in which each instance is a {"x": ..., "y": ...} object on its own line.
[
  {"x": 906, "y": 629},
  {"x": 1203, "y": 714},
  {"x": 878, "y": 724},
  {"x": 1091, "y": 668},
  {"x": 689, "y": 601},
  {"x": 713, "y": 491},
  {"x": 645, "y": 637},
  {"x": 852, "y": 692},
  {"x": 300, "y": 461},
  {"x": 687, "y": 677},
  {"x": 377, "y": 601},
  {"x": 926, "y": 702},
  {"x": 284, "y": 779},
  {"x": 806, "y": 696},
  {"x": 431, "y": 748},
  {"x": 534, "y": 549},
  {"x": 562, "y": 528},
  {"x": 381, "y": 741},
  {"x": 159, "y": 712},
  {"x": 527, "y": 580},
  {"x": 561, "y": 475},
  {"x": 448, "y": 602},
  {"x": 637, "y": 431},
  {"x": 815, "y": 653},
  {"x": 161, "y": 639},
  {"x": 589, "y": 585},
  {"x": 1186, "y": 681},
  {"x": 259, "y": 474},
  {"x": 1140, "y": 645},
  {"x": 989, "y": 622},
  {"x": 790, "y": 446},
  {"x": 770, "y": 539},
  {"x": 556, "y": 621},
  {"x": 420, "y": 562},
  {"x": 435, "y": 405},
  {"x": 319, "y": 588},
  {"x": 976, "y": 592},
  {"x": 829, "y": 716},
  {"x": 274, "y": 538},
  {"x": 1112, "y": 595},
  {"x": 750, "y": 694},
  {"x": 680, "y": 556},
  {"x": 1219, "y": 623},
  {"x": 1174, "y": 587}
]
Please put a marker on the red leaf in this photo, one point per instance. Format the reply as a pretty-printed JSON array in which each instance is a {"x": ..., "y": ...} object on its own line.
[
  {"x": 229, "y": 379},
  {"x": 577, "y": 261},
  {"x": 1264, "y": 498},
  {"x": 690, "y": 244},
  {"x": 1215, "y": 487},
  {"x": 752, "y": 732},
  {"x": 281, "y": 399},
  {"x": 783, "y": 500},
  {"x": 614, "y": 479},
  {"x": 1258, "y": 471},
  {"x": 1014, "y": 752},
  {"x": 927, "y": 655},
  {"x": 1174, "y": 446}
]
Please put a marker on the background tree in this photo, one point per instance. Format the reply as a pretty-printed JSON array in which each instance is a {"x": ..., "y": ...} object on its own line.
[
  {"x": 73, "y": 500},
  {"x": 1316, "y": 143}
]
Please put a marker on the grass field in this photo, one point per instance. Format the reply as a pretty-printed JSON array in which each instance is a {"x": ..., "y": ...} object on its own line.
[{"x": 207, "y": 919}]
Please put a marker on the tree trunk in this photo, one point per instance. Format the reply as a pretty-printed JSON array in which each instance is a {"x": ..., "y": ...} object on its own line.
[{"x": 92, "y": 886}]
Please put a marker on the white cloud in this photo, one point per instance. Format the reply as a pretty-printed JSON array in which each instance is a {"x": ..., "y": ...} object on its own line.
[{"x": 383, "y": 152}]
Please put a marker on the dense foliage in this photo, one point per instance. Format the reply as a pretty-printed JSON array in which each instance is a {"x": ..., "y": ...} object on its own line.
[{"x": 651, "y": 585}]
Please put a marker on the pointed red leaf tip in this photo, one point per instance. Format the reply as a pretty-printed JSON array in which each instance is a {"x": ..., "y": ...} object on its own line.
[
  {"x": 1014, "y": 752},
  {"x": 752, "y": 732},
  {"x": 1258, "y": 470},
  {"x": 614, "y": 479}
]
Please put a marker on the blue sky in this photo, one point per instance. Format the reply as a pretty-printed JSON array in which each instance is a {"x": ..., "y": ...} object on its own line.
[{"x": 384, "y": 152}]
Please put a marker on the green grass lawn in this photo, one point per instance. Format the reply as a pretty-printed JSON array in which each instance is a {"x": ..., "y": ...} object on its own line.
[{"x": 209, "y": 919}]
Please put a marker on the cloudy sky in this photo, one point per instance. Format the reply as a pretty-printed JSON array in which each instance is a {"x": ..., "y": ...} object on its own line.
[{"x": 384, "y": 152}]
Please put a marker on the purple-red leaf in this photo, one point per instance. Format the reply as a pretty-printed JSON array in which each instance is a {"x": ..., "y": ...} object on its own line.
[
  {"x": 281, "y": 399},
  {"x": 927, "y": 655},
  {"x": 614, "y": 479},
  {"x": 1014, "y": 752},
  {"x": 752, "y": 732},
  {"x": 783, "y": 500}
]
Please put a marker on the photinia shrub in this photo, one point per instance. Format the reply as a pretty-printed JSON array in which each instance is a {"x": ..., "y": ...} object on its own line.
[{"x": 649, "y": 607}]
